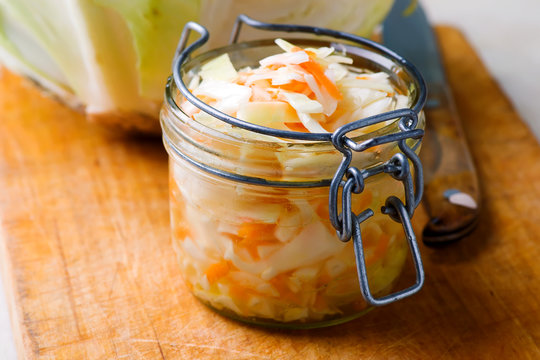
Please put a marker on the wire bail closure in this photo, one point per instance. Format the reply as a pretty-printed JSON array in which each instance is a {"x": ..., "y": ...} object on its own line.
[
  {"x": 348, "y": 180},
  {"x": 347, "y": 223}
]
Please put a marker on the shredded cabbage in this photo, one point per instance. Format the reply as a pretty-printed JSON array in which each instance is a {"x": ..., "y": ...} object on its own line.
[
  {"x": 281, "y": 260},
  {"x": 316, "y": 84}
]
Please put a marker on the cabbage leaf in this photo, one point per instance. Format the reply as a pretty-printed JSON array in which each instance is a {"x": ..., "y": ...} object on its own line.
[{"x": 115, "y": 55}]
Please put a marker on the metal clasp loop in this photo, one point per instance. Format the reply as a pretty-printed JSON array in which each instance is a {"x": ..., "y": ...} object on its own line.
[
  {"x": 396, "y": 204},
  {"x": 351, "y": 180},
  {"x": 181, "y": 54}
]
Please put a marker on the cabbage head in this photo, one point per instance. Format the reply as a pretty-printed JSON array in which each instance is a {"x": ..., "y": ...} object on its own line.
[{"x": 111, "y": 58}]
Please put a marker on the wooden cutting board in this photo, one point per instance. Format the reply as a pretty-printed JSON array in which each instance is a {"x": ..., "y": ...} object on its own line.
[{"x": 90, "y": 274}]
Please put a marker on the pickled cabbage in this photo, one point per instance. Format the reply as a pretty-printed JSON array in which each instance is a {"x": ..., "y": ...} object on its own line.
[{"x": 316, "y": 85}]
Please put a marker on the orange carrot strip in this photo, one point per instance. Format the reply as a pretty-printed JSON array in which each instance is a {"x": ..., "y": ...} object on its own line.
[
  {"x": 218, "y": 270},
  {"x": 295, "y": 86},
  {"x": 239, "y": 293},
  {"x": 181, "y": 232},
  {"x": 251, "y": 235},
  {"x": 322, "y": 209},
  {"x": 315, "y": 69},
  {"x": 256, "y": 230},
  {"x": 296, "y": 126},
  {"x": 279, "y": 282},
  {"x": 274, "y": 66},
  {"x": 309, "y": 52}
]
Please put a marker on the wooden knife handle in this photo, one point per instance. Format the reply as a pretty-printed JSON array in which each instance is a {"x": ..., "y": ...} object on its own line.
[{"x": 451, "y": 192}]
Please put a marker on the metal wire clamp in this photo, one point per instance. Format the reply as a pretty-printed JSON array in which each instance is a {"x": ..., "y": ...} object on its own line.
[
  {"x": 347, "y": 223},
  {"x": 347, "y": 180}
]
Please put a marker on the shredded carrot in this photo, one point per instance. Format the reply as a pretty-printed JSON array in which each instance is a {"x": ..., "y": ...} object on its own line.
[
  {"x": 309, "y": 52},
  {"x": 256, "y": 230},
  {"x": 295, "y": 86},
  {"x": 275, "y": 66},
  {"x": 235, "y": 238},
  {"x": 315, "y": 69},
  {"x": 296, "y": 126},
  {"x": 181, "y": 231},
  {"x": 218, "y": 270},
  {"x": 322, "y": 209},
  {"x": 279, "y": 282},
  {"x": 206, "y": 99},
  {"x": 239, "y": 293},
  {"x": 251, "y": 235}
]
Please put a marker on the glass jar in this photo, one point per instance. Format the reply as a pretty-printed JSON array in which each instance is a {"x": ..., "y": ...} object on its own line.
[{"x": 250, "y": 214}]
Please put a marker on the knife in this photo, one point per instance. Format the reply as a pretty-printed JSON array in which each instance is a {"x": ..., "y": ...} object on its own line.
[{"x": 452, "y": 192}]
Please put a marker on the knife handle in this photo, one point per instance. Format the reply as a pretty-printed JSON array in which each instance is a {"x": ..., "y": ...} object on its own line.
[{"x": 451, "y": 192}]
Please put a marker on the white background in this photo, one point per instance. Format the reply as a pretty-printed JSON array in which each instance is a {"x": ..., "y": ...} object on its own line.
[{"x": 506, "y": 34}]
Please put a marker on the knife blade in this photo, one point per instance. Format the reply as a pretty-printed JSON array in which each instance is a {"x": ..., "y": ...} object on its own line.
[{"x": 452, "y": 192}]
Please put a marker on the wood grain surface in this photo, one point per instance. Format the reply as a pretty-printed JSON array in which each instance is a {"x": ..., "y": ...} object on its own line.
[{"x": 90, "y": 274}]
